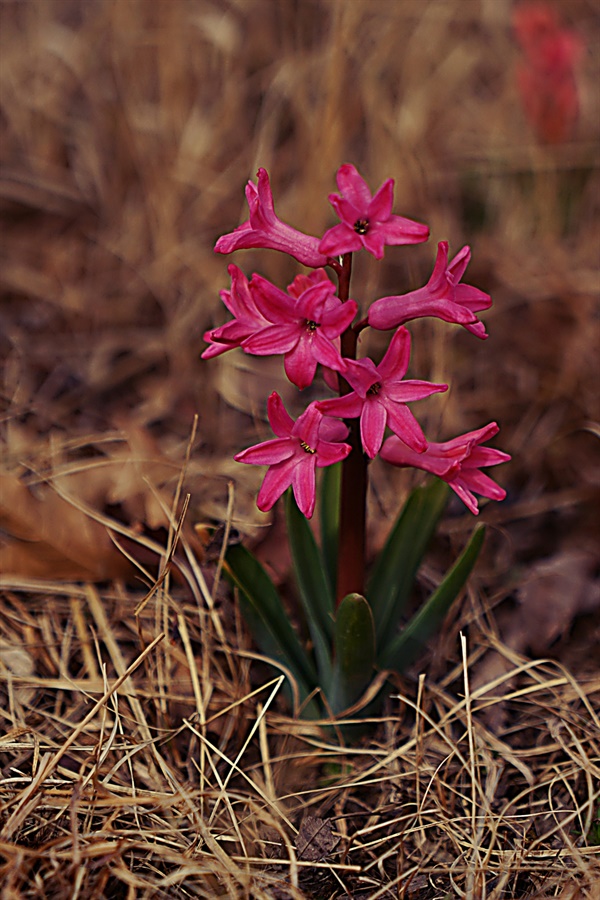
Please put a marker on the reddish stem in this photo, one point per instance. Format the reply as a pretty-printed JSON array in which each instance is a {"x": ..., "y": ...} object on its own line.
[{"x": 353, "y": 502}]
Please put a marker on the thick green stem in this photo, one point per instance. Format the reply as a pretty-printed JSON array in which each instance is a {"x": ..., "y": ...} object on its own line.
[{"x": 353, "y": 501}]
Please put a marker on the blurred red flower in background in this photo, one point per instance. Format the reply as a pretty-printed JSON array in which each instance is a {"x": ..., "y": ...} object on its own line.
[{"x": 546, "y": 75}]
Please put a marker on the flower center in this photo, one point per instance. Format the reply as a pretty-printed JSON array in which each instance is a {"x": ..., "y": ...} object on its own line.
[
  {"x": 306, "y": 447},
  {"x": 361, "y": 226},
  {"x": 311, "y": 326},
  {"x": 375, "y": 388}
]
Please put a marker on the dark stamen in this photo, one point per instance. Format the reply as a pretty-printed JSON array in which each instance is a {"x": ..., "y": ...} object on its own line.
[
  {"x": 374, "y": 389},
  {"x": 312, "y": 326},
  {"x": 306, "y": 447},
  {"x": 361, "y": 226}
]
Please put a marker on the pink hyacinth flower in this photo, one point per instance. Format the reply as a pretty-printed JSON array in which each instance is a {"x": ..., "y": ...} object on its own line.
[
  {"x": 306, "y": 328},
  {"x": 380, "y": 397},
  {"x": 248, "y": 318},
  {"x": 443, "y": 297},
  {"x": 299, "y": 448},
  {"x": 265, "y": 230},
  {"x": 457, "y": 462},
  {"x": 547, "y": 75},
  {"x": 367, "y": 221}
]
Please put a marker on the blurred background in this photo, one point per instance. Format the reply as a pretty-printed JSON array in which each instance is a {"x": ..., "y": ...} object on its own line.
[{"x": 129, "y": 129}]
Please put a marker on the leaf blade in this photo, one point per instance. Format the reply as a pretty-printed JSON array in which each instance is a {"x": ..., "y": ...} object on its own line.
[
  {"x": 406, "y": 646},
  {"x": 315, "y": 592},
  {"x": 391, "y": 581},
  {"x": 263, "y": 611}
]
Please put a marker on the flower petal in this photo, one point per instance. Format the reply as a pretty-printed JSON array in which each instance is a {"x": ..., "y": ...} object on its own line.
[
  {"x": 300, "y": 364},
  {"x": 268, "y": 453},
  {"x": 403, "y": 423},
  {"x": 303, "y": 482},
  {"x": 353, "y": 186},
  {"x": 347, "y": 407},
  {"x": 329, "y": 452},
  {"x": 380, "y": 207},
  {"x": 339, "y": 240},
  {"x": 372, "y": 426},
  {"x": 394, "y": 364},
  {"x": 280, "y": 420},
  {"x": 272, "y": 339},
  {"x": 277, "y": 479}
]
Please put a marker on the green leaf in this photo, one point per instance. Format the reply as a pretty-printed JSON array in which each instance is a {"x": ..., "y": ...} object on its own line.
[
  {"x": 406, "y": 646},
  {"x": 315, "y": 592},
  {"x": 266, "y": 617},
  {"x": 390, "y": 584},
  {"x": 354, "y": 643},
  {"x": 331, "y": 480}
]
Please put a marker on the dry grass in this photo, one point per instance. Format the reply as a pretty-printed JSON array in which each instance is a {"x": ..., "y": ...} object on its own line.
[{"x": 145, "y": 749}]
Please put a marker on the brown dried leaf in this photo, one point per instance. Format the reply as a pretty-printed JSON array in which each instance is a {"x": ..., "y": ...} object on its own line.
[
  {"x": 47, "y": 537},
  {"x": 316, "y": 839}
]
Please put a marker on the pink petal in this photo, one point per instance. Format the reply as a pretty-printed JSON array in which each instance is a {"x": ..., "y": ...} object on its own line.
[
  {"x": 280, "y": 420},
  {"x": 300, "y": 363},
  {"x": 411, "y": 390},
  {"x": 339, "y": 240},
  {"x": 380, "y": 207},
  {"x": 272, "y": 339},
  {"x": 268, "y": 453},
  {"x": 332, "y": 430},
  {"x": 347, "y": 212},
  {"x": 311, "y": 303},
  {"x": 273, "y": 303},
  {"x": 329, "y": 453},
  {"x": 307, "y": 426},
  {"x": 397, "y": 357},
  {"x": 403, "y": 423},
  {"x": 396, "y": 452},
  {"x": 265, "y": 197},
  {"x": 471, "y": 438},
  {"x": 486, "y": 456},
  {"x": 438, "y": 282},
  {"x": 372, "y": 426},
  {"x": 347, "y": 407},
  {"x": 374, "y": 240},
  {"x": 353, "y": 186},
  {"x": 337, "y": 317},
  {"x": 399, "y": 230},
  {"x": 324, "y": 351},
  {"x": 303, "y": 482},
  {"x": 465, "y": 495},
  {"x": 482, "y": 484},
  {"x": 277, "y": 479},
  {"x": 361, "y": 374},
  {"x": 456, "y": 269},
  {"x": 472, "y": 297}
]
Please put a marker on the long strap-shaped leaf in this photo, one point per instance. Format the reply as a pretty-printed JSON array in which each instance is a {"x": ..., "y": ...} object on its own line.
[
  {"x": 266, "y": 617},
  {"x": 394, "y": 572},
  {"x": 313, "y": 584},
  {"x": 406, "y": 647}
]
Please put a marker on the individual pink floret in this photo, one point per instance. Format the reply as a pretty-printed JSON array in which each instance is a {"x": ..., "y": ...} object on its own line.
[
  {"x": 300, "y": 447},
  {"x": 457, "y": 462},
  {"x": 443, "y": 297},
  {"x": 380, "y": 396},
  {"x": 305, "y": 328},
  {"x": 367, "y": 221},
  {"x": 247, "y": 317},
  {"x": 265, "y": 230}
]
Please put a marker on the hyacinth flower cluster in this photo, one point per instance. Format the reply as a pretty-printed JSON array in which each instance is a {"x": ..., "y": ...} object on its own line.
[
  {"x": 546, "y": 74},
  {"x": 314, "y": 322}
]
